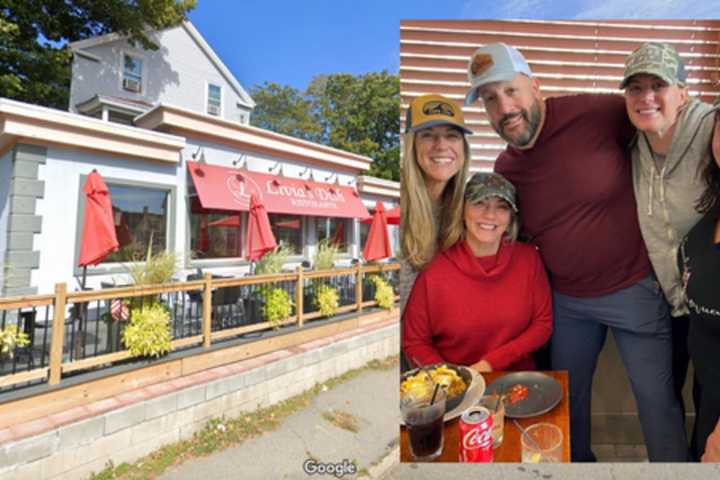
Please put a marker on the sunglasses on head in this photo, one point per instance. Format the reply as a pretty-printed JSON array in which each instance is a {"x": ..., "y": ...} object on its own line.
[{"x": 438, "y": 108}]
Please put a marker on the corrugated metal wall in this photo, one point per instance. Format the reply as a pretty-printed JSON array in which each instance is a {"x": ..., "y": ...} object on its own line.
[{"x": 568, "y": 57}]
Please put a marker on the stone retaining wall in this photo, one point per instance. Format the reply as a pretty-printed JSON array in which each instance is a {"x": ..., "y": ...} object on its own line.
[{"x": 77, "y": 442}]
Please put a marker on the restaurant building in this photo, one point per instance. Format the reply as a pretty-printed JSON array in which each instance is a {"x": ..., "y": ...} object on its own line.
[{"x": 169, "y": 132}]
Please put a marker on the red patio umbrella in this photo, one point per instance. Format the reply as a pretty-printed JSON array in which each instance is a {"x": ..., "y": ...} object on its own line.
[
  {"x": 260, "y": 239},
  {"x": 392, "y": 216},
  {"x": 377, "y": 245},
  {"x": 98, "y": 237}
]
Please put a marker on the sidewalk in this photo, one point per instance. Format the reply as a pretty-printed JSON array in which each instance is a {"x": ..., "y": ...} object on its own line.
[{"x": 308, "y": 434}]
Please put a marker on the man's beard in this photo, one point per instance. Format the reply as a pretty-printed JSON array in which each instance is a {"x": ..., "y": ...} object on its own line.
[{"x": 533, "y": 122}]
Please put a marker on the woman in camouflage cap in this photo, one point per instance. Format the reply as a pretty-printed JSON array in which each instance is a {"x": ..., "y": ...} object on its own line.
[
  {"x": 485, "y": 301},
  {"x": 671, "y": 149}
]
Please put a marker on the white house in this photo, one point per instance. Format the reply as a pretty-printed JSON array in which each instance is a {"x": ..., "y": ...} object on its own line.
[
  {"x": 115, "y": 80},
  {"x": 155, "y": 127}
]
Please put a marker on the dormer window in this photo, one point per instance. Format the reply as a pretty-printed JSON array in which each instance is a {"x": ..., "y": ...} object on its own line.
[
  {"x": 132, "y": 73},
  {"x": 214, "y": 99}
]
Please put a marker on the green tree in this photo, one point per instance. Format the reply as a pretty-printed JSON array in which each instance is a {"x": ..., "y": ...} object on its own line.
[
  {"x": 283, "y": 110},
  {"x": 34, "y": 35},
  {"x": 359, "y": 114}
]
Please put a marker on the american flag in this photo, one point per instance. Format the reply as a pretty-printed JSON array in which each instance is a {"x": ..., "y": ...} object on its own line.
[{"x": 119, "y": 310}]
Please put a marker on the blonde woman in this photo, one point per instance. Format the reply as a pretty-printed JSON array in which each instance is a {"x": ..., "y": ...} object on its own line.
[{"x": 435, "y": 165}]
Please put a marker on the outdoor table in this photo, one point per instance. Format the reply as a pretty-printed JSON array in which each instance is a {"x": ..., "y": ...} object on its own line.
[{"x": 509, "y": 450}]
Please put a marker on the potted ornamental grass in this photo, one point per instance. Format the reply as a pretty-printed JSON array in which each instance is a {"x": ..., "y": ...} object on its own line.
[
  {"x": 384, "y": 294},
  {"x": 325, "y": 297},
  {"x": 11, "y": 337},
  {"x": 148, "y": 331},
  {"x": 275, "y": 302}
]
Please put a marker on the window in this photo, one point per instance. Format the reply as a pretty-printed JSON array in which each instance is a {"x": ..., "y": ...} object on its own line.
[
  {"x": 217, "y": 235},
  {"x": 132, "y": 73},
  {"x": 119, "y": 117},
  {"x": 214, "y": 99},
  {"x": 334, "y": 230},
  {"x": 288, "y": 231},
  {"x": 141, "y": 215}
]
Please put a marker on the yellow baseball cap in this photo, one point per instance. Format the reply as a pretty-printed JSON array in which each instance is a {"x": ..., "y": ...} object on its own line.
[{"x": 428, "y": 111}]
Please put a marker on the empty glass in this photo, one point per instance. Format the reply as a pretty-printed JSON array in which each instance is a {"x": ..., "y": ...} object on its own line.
[{"x": 544, "y": 444}]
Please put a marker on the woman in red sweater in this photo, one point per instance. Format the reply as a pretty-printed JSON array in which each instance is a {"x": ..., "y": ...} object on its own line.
[{"x": 484, "y": 302}]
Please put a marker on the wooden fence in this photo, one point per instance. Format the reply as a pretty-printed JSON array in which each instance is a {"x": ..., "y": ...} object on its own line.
[{"x": 61, "y": 311}]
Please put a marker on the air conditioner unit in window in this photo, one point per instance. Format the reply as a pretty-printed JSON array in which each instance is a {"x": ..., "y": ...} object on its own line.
[
  {"x": 213, "y": 110},
  {"x": 131, "y": 84}
]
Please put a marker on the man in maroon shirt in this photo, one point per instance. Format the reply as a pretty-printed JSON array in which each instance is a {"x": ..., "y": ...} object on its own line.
[{"x": 568, "y": 159}]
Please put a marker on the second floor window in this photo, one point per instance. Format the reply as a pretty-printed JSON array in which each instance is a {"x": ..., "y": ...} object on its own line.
[
  {"x": 214, "y": 99},
  {"x": 132, "y": 73}
]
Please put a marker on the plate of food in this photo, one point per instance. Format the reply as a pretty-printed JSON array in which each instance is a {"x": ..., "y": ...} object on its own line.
[
  {"x": 463, "y": 385},
  {"x": 527, "y": 394}
]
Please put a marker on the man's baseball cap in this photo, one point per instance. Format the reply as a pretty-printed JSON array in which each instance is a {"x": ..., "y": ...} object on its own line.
[
  {"x": 428, "y": 111},
  {"x": 489, "y": 184},
  {"x": 495, "y": 62},
  {"x": 654, "y": 58}
]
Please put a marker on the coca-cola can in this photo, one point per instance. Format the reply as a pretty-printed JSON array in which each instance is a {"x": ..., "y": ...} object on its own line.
[{"x": 476, "y": 442}]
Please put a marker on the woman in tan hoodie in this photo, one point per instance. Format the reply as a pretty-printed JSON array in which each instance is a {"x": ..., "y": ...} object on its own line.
[{"x": 669, "y": 153}]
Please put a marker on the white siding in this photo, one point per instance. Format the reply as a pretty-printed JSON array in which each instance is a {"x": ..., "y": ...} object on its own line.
[
  {"x": 177, "y": 73},
  {"x": 60, "y": 208}
]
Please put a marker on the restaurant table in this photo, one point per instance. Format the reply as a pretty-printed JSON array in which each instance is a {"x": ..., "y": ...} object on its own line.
[{"x": 510, "y": 449}]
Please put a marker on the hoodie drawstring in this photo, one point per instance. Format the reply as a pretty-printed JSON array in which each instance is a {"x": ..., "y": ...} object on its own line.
[{"x": 650, "y": 192}]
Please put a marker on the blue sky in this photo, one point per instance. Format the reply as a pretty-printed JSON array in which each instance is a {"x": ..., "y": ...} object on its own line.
[{"x": 290, "y": 41}]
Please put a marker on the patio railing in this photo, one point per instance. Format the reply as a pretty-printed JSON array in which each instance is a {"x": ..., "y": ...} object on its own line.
[{"x": 71, "y": 332}]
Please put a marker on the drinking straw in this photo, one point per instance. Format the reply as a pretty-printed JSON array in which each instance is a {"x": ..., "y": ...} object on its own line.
[
  {"x": 432, "y": 400},
  {"x": 423, "y": 369},
  {"x": 532, "y": 440}
]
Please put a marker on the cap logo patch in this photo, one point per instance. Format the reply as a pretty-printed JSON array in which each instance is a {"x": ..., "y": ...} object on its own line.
[
  {"x": 480, "y": 63},
  {"x": 438, "y": 108}
]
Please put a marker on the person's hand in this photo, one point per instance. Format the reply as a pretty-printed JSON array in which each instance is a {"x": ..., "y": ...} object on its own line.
[
  {"x": 712, "y": 446},
  {"x": 482, "y": 366},
  {"x": 716, "y": 139}
]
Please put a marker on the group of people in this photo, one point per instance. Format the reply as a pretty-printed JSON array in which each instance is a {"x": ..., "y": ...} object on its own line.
[{"x": 619, "y": 198}]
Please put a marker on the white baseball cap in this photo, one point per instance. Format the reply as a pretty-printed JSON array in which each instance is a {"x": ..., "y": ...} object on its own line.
[{"x": 494, "y": 62}]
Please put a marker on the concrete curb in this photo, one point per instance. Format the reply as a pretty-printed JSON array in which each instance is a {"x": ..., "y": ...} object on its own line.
[{"x": 379, "y": 470}]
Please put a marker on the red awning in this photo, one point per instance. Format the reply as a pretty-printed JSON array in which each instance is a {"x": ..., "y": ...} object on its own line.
[{"x": 222, "y": 188}]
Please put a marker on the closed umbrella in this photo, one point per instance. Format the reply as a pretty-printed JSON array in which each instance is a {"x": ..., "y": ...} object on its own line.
[
  {"x": 392, "y": 217},
  {"x": 377, "y": 245},
  {"x": 98, "y": 238},
  {"x": 260, "y": 239},
  {"x": 98, "y": 241}
]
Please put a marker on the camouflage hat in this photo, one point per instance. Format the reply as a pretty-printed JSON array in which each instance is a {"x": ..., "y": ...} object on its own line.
[
  {"x": 485, "y": 184},
  {"x": 428, "y": 111},
  {"x": 659, "y": 59}
]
